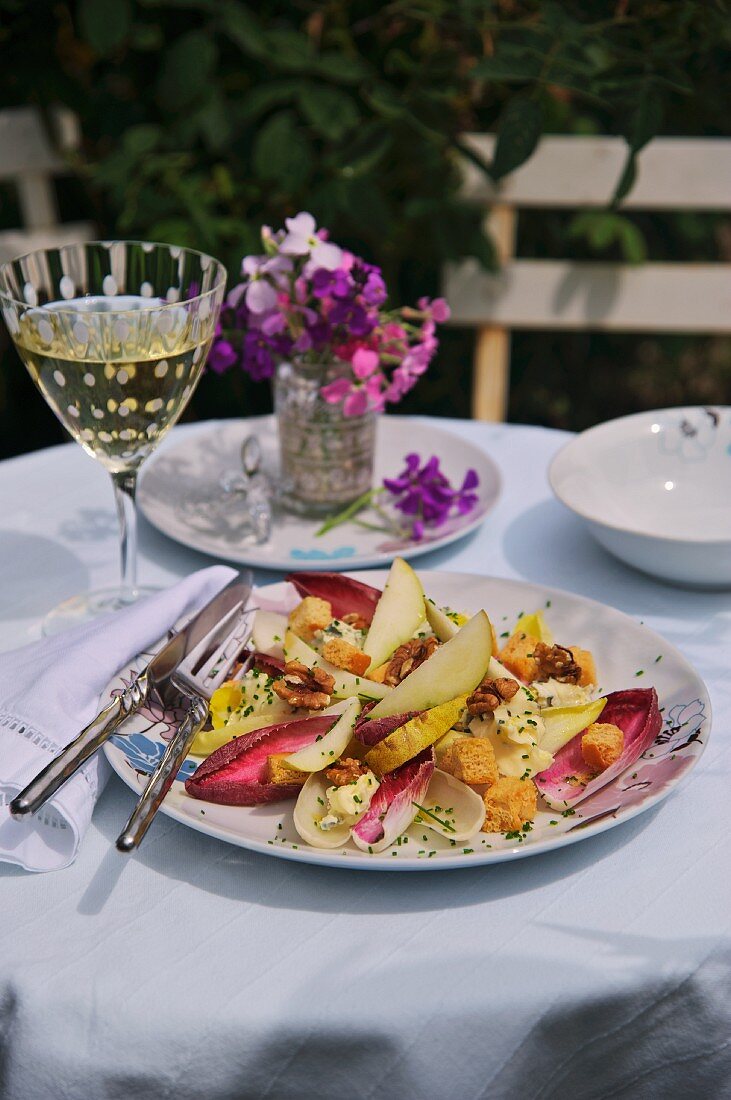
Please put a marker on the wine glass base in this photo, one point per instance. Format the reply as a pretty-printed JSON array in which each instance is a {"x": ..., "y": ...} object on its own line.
[{"x": 90, "y": 605}]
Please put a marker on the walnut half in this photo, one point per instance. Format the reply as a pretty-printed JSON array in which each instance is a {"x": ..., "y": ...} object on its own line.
[
  {"x": 556, "y": 662},
  {"x": 491, "y": 694},
  {"x": 408, "y": 657},
  {"x": 347, "y": 770},
  {"x": 301, "y": 686}
]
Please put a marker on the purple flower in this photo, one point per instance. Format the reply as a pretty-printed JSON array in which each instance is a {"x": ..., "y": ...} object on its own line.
[
  {"x": 374, "y": 289},
  {"x": 305, "y": 296},
  {"x": 222, "y": 356},
  {"x": 426, "y": 493},
  {"x": 333, "y": 284},
  {"x": 257, "y": 359}
]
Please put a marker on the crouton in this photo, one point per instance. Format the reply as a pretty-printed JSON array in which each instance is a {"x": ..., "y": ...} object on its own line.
[
  {"x": 279, "y": 771},
  {"x": 585, "y": 661},
  {"x": 308, "y": 617},
  {"x": 472, "y": 760},
  {"x": 346, "y": 656},
  {"x": 518, "y": 656},
  {"x": 445, "y": 760},
  {"x": 509, "y": 803},
  {"x": 602, "y": 745}
]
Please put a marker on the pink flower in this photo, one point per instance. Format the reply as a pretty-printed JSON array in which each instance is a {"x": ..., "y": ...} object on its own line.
[
  {"x": 357, "y": 399},
  {"x": 335, "y": 391},
  {"x": 393, "y": 331},
  {"x": 355, "y": 403},
  {"x": 364, "y": 363},
  {"x": 437, "y": 308}
]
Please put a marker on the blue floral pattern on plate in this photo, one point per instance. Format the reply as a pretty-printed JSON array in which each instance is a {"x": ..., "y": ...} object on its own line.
[
  {"x": 322, "y": 555},
  {"x": 143, "y": 754}
]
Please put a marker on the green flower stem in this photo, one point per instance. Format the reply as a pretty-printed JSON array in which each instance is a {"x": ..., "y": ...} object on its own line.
[
  {"x": 348, "y": 513},
  {"x": 393, "y": 527}
]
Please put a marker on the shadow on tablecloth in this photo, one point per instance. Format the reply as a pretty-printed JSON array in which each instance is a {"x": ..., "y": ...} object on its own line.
[{"x": 185, "y": 855}]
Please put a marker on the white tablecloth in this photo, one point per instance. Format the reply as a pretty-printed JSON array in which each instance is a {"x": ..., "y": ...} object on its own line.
[{"x": 198, "y": 970}]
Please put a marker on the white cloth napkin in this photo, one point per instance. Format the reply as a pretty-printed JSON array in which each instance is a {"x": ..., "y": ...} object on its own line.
[{"x": 49, "y": 691}]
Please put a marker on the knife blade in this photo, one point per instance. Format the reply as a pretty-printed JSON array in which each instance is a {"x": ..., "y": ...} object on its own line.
[{"x": 154, "y": 677}]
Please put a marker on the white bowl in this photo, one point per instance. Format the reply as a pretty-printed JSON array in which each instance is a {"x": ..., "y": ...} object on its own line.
[{"x": 655, "y": 490}]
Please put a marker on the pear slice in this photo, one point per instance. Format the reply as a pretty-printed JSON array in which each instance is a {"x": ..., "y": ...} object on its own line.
[
  {"x": 346, "y": 684},
  {"x": 415, "y": 736},
  {"x": 443, "y": 627},
  {"x": 563, "y": 723},
  {"x": 321, "y": 754},
  {"x": 456, "y": 668},
  {"x": 268, "y": 633},
  {"x": 399, "y": 613}
]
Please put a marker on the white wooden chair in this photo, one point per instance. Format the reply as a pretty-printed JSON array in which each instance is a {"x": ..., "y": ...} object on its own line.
[
  {"x": 30, "y": 161},
  {"x": 575, "y": 172}
]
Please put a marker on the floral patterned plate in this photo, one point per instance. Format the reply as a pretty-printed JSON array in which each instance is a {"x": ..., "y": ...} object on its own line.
[
  {"x": 627, "y": 655},
  {"x": 180, "y": 491}
]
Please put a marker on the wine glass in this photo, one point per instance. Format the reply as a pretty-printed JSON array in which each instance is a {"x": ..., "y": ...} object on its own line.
[{"x": 115, "y": 335}]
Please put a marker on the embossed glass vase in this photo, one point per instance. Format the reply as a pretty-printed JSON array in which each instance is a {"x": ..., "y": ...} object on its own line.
[{"x": 326, "y": 457}]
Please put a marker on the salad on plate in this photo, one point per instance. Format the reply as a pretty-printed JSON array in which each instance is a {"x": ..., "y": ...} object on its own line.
[{"x": 377, "y": 711}]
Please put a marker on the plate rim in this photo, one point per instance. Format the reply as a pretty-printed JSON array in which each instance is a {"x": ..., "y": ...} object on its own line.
[
  {"x": 378, "y": 862},
  {"x": 563, "y": 453},
  {"x": 342, "y": 564}
]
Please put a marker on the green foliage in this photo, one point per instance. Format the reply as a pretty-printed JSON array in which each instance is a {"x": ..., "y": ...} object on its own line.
[
  {"x": 603, "y": 228},
  {"x": 205, "y": 118}
]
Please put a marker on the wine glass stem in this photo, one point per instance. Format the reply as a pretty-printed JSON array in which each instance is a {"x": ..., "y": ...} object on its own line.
[{"x": 125, "y": 486}]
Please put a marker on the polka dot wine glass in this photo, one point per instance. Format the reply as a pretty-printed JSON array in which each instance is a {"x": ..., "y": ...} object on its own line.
[{"x": 115, "y": 335}]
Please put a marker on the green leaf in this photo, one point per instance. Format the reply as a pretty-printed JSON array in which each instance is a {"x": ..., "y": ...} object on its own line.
[
  {"x": 517, "y": 67},
  {"x": 242, "y": 28},
  {"x": 603, "y": 228},
  {"x": 140, "y": 140},
  {"x": 330, "y": 112},
  {"x": 518, "y": 133},
  {"x": 105, "y": 24},
  {"x": 186, "y": 70},
  {"x": 260, "y": 99},
  {"x": 632, "y": 242},
  {"x": 365, "y": 152},
  {"x": 627, "y": 180},
  {"x": 213, "y": 120},
  {"x": 282, "y": 152},
  {"x": 338, "y": 67},
  {"x": 386, "y": 101},
  {"x": 645, "y": 122},
  {"x": 289, "y": 50}
]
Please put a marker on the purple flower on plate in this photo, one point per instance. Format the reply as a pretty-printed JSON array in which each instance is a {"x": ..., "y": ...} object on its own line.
[{"x": 426, "y": 493}]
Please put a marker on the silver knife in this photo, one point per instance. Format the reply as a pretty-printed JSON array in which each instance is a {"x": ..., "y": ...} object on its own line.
[{"x": 152, "y": 678}]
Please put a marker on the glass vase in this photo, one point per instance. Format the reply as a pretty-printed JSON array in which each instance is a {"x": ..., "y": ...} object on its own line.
[{"x": 326, "y": 457}]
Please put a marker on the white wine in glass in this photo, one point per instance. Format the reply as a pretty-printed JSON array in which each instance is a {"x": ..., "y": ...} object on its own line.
[{"x": 115, "y": 335}]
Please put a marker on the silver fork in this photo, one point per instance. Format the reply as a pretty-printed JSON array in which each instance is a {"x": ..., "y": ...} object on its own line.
[{"x": 194, "y": 681}]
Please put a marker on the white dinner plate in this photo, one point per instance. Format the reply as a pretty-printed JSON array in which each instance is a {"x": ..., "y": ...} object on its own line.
[
  {"x": 180, "y": 481},
  {"x": 627, "y": 654}
]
